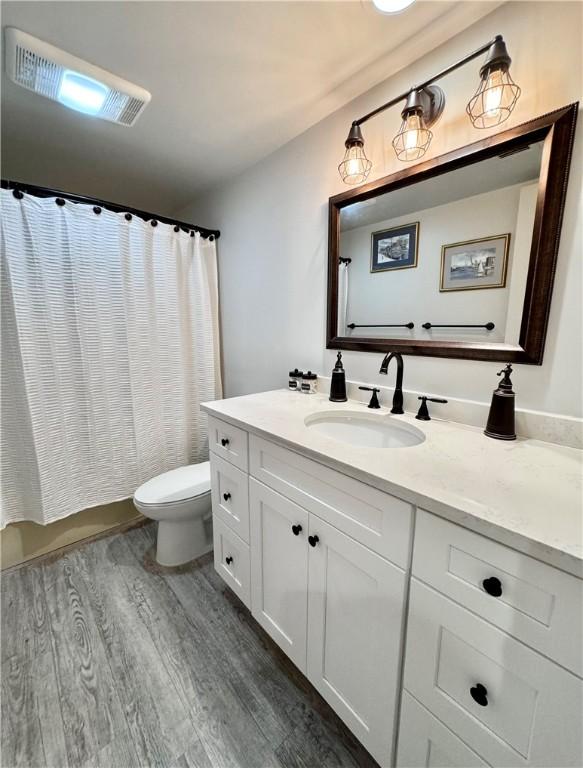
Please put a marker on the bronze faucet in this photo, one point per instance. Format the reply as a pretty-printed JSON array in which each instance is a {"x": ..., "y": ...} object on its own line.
[{"x": 398, "y": 393}]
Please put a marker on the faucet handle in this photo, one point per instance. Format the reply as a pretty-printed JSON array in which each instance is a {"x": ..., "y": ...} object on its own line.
[
  {"x": 423, "y": 412},
  {"x": 374, "y": 401}
]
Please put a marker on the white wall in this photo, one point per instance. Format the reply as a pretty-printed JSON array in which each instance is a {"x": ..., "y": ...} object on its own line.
[
  {"x": 403, "y": 295},
  {"x": 273, "y": 218}
]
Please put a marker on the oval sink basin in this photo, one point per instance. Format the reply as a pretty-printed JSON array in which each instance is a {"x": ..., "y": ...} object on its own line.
[{"x": 365, "y": 430}]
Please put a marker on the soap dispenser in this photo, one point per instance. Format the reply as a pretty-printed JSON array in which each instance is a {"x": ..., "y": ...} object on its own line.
[
  {"x": 501, "y": 417},
  {"x": 338, "y": 382}
]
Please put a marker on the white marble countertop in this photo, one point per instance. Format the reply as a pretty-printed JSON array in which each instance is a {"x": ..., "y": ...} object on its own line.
[{"x": 525, "y": 493}]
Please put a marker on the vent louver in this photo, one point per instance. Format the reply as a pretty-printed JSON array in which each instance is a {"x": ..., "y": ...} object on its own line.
[{"x": 39, "y": 67}]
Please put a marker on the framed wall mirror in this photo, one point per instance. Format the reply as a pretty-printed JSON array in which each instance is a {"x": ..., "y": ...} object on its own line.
[{"x": 454, "y": 257}]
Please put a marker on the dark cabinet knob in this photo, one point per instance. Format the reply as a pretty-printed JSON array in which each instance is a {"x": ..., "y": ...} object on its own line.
[
  {"x": 228, "y": 560},
  {"x": 479, "y": 694},
  {"x": 313, "y": 540},
  {"x": 226, "y": 496},
  {"x": 225, "y": 442},
  {"x": 492, "y": 586},
  {"x": 296, "y": 529}
]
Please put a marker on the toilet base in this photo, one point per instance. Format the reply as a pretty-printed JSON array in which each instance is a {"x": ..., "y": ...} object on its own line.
[{"x": 180, "y": 541}]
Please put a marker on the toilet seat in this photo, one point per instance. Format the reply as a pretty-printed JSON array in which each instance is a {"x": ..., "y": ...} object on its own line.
[{"x": 182, "y": 484}]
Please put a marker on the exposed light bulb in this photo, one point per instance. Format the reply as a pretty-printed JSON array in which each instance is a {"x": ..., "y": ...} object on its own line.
[
  {"x": 493, "y": 94},
  {"x": 355, "y": 167},
  {"x": 392, "y": 6},
  {"x": 494, "y": 99},
  {"x": 412, "y": 132},
  {"x": 413, "y": 139}
]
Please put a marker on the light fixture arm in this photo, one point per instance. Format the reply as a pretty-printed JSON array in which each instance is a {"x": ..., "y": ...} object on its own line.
[{"x": 498, "y": 56}]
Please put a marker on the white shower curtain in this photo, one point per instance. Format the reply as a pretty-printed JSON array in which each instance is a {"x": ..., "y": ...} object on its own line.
[
  {"x": 109, "y": 345},
  {"x": 343, "y": 298}
]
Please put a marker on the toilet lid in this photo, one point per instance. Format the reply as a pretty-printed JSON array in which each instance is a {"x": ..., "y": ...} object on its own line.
[{"x": 177, "y": 485}]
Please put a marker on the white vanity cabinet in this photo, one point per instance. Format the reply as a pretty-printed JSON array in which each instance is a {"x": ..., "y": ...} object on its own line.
[
  {"x": 485, "y": 666},
  {"x": 328, "y": 558}
]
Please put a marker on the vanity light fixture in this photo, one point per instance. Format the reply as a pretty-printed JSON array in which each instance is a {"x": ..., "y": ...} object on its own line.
[{"x": 491, "y": 105}]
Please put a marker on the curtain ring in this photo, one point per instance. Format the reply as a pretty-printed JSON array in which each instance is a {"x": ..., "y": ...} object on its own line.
[
  {"x": 211, "y": 238},
  {"x": 154, "y": 223},
  {"x": 192, "y": 233},
  {"x": 60, "y": 201},
  {"x": 128, "y": 217},
  {"x": 17, "y": 194},
  {"x": 96, "y": 209},
  {"x": 177, "y": 229}
]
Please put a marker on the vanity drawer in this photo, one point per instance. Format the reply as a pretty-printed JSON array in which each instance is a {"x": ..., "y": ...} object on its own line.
[
  {"x": 229, "y": 443},
  {"x": 510, "y": 704},
  {"x": 538, "y": 604},
  {"x": 376, "y": 519},
  {"x": 230, "y": 496},
  {"x": 425, "y": 742},
  {"x": 232, "y": 560}
]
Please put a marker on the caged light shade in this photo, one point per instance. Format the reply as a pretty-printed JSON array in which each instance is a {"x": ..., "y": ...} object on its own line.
[
  {"x": 355, "y": 166},
  {"x": 497, "y": 92},
  {"x": 413, "y": 139}
]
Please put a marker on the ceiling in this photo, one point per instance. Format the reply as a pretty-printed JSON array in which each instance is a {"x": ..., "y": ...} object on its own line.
[
  {"x": 477, "y": 179},
  {"x": 230, "y": 83}
]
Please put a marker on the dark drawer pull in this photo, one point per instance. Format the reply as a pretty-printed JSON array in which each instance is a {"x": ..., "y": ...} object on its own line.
[
  {"x": 492, "y": 586},
  {"x": 226, "y": 496},
  {"x": 313, "y": 540},
  {"x": 296, "y": 529},
  {"x": 225, "y": 442},
  {"x": 228, "y": 560},
  {"x": 479, "y": 694}
]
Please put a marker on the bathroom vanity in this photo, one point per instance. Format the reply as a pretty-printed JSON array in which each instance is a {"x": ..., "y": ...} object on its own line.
[{"x": 431, "y": 591}]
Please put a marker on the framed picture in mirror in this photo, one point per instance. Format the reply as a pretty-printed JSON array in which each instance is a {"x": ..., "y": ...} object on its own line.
[
  {"x": 475, "y": 264},
  {"x": 394, "y": 248}
]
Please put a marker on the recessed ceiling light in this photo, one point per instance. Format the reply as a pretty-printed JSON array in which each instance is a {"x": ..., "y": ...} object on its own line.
[
  {"x": 77, "y": 84},
  {"x": 392, "y": 6}
]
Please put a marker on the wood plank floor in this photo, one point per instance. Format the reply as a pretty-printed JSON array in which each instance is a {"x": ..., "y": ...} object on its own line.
[{"x": 107, "y": 665}]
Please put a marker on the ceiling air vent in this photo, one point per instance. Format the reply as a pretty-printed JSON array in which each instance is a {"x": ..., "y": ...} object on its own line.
[{"x": 57, "y": 75}]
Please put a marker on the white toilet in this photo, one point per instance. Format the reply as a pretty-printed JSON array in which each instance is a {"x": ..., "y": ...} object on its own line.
[{"x": 179, "y": 500}]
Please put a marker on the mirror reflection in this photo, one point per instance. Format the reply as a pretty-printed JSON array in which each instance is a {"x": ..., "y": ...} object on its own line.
[{"x": 442, "y": 259}]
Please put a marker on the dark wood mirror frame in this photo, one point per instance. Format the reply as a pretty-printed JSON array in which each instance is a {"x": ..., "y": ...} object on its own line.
[{"x": 557, "y": 130}]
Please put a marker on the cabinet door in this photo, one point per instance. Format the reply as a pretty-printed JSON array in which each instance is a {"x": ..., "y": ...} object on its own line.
[
  {"x": 279, "y": 569},
  {"x": 355, "y": 615}
]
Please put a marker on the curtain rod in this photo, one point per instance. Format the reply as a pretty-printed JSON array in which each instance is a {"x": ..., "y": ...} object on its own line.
[{"x": 36, "y": 191}]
